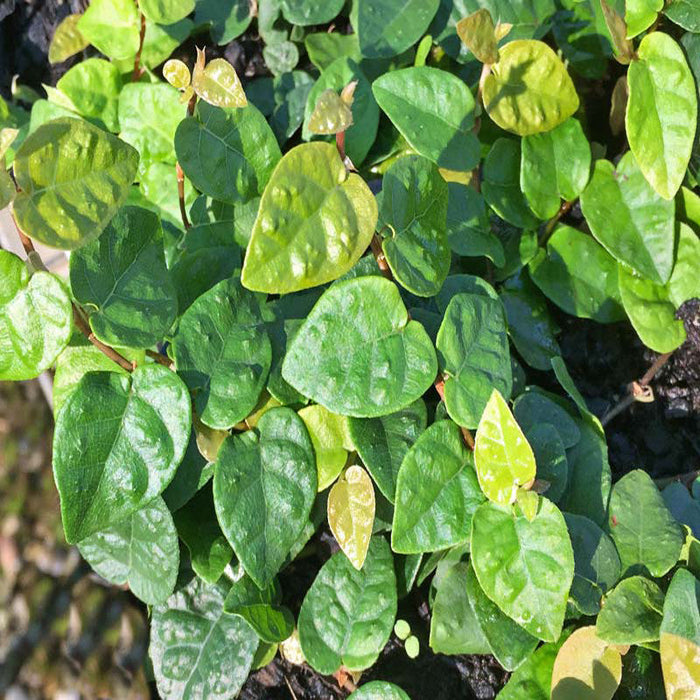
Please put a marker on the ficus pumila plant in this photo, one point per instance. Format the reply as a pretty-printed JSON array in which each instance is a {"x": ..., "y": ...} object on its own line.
[{"x": 315, "y": 301}]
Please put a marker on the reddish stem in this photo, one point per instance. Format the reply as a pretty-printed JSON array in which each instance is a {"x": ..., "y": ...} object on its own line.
[
  {"x": 376, "y": 245},
  {"x": 466, "y": 434},
  {"x": 181, "y": 195},
  {"x": 137, "y": 60}
]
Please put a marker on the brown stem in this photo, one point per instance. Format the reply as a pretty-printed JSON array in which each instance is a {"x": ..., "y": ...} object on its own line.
[
  {"x": 157, "y": 357},
  {"x": 181, "y": 195},
  {"x": 137, "y": 60},
  {"x": 340, "y": 144},
  {"x": 658, "y": 363},
  {"x": 191, "y": 105},
  {"x": 376, "y": 246},
  {"x": 564, "y": 209},
  {"x": 466, "y": 434}
]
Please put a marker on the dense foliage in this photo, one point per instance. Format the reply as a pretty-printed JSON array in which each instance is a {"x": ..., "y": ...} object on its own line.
[{"x": 291, "y": 305}]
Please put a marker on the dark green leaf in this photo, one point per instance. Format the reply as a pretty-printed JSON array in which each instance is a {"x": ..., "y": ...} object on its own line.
[
  {"x": 305, "y": 12},
  {"x": 550, "y": 457},
  {"x": 228, "y": 19},
  {"x": 536, "y": 406}
]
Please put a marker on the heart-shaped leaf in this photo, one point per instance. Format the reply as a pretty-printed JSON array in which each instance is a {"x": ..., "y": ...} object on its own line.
[
  {"x": 306, "y": 12},
  {"x": 358, "y": 354},
  {"x": 264, "y": 487},
  {"x": 217, "y": 83},
  {"x": 661, "y": 112},
  {"x": 133, "y": 549},
  {"x": 528, "y": 90},
  {"x": 315, "y": 222},
  {"x": 525, "y": 567},
  {"x": 351, "y": 513},
  {"x": 67, "y": 39},
  {"x": 331, "y": 114},
  {"x": 112, "y": 27},
  {"x": 347, "y": 615},
  {"x": 228, "y": 371},
  {"x": 36, "y": 319},
  {"x": 196, "y": 649},
  {"x": 473, "y": 353},
  {"x": 117, "y": 444},
  {"x": 502, "y": 455},
  {"x": 67, "y": 200},
  {"x": 166, "y": 11},
  {"x": 437, "y": 492},
  {"x": 478, "y": 33},
  {"x": 413, "y": 205}
]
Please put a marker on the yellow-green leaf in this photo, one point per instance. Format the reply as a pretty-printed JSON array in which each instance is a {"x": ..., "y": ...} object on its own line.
[
  {"x": 351, "y": 513},
  {"x": 528, "y": 90},
  {"x": 331, "y": 114},
  {"x": 528, "y": 502},
  {"x": 680, "y": 663},
  {"x": 478, "y": 34},
  {"x": 217, "y": 83},
  {"x": 177, "y": 73},
  {"x": 502, "y": 455},
  {"x": 67, "y": 40}
]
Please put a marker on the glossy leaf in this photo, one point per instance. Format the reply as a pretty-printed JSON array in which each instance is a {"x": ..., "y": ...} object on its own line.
[
  {"x": 264, "y": 487},
  {"x": 228, "y": 154},
  {"x": 36, "y": 319},
  {"x": 133, "y": 549},
  {"x": 528, "y": 90},
  {"x": 434, "y": 111},
  {"x": 117, "y": 444},
  {"x": 645, "y": 533},
  {"x": 166, "y": 11},
  {"x": 629, "y": 219},
  {"x": 550, "y": 457},
  {"x": 197, "y": 650},
  {"x": 597, "y": 564},
  {"x": 632, "y": 612},
  {"x": 351, "y": 513},
  {"x": 502, "y": 455},
  {"x": 586, "y": 667},
  {"x": 684, "y": 13},
  {"x": 347, "y": 615},
  {"x": 437, "y": 492},
  {"x": 227, "y": 373},
  {"x": 661, "y": 112},
  {"x": 331, "y": 115},
  {"x": 111, "y": 26},
  {"x": 526, "y": 568},
  {"x": 228, "y": 20},
  {"x": 67, "y": 39},
  {"x": 413, "y": 205},
  {"x": 473, "y": 355},
  {"x": 640, "y": 15},
  {"x": 384, "y": 441},
  {"x": 535, "y": 407},
  {"x": 67, "y": 201},
  {"x": 379, "y": 690},
  {"x": 386, "y": 27},
  {"x": 358, "y": 354},
  {"x": 579, "y": 276},
  {"x": 305, "y": 12},
  {"x": 217, "y": 83},
  {"x": 315, "y": 222},
  {"x": 555, "y": 165},
  {"x": 177, "y": 73},
  {"x": 191, "y": 475}
]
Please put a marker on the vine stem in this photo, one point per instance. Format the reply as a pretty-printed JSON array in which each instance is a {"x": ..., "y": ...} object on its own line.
[
  {"x": 376, "y": 245},
  {"x": 80, "y": 322},
  {"x": 466, "y": 434},
  {"x": 137, "y": 60},
  {"x": 179, "y": 173},
  {"x": 564, "y": 209}
]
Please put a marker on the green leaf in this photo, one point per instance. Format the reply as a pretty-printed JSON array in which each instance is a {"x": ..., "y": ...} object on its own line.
[
  {"x": 307, "y": 12},
  {"x": 315, "y": 222},
  {"x": 631, "y": 221},
  {"x": 192, "y": 474},
  {"x": 347, "y": 615},
  {"x": 264, "y": 487},
  {"x": 196, "y": 649},
  {"x": 478, "y": 33},
  {"x": 149, "y": 114},
  {"x": 473, "y": 354},
  {"x": 463, "y": 284},
  {"x": 507, "y": 641},
  {"x": 281, "y": 57},
  {"x": 632, "y": 612},
  {"x": 388, "y": 27},
  {"x": 550, "y": 457},
  {"x": 684, "y": 283},
  {"x": 579, "y": 276},
  {"x": 217, "y": 83},
  {"x": 535, "y": 406},
  {"x": 228, "y": 154},
  {"x": 161, "y": 40},
  {"x": 555, "y": 165},
  {"x": 682, "y": 506},
  {"x": 67, "y": 201},
  {"x": 597, "y": 564},
  {"x": 227, "y": 373},
  {"x": 532, "y": 329},
  {"x": 661, "y": 112},
  {"x": 454, "y": 627},
  {"x": 640, "y": 15},
  {"x": 330, "y": 438},
  {"x": 645, "y": 533},
  {"x": 383, "y": 442},
  {"x": 681, "y": 611},
  {"x": 198, "y": 528},
  {"x": 501, "y": 184},
  {"x": 92, "y": 88},
  {"x": 528, "y": 90},
  {"x": 260, "y": 609},
  {"x": 434, "y": 111},
  {"x": 437, "y": 492},
  {"x": 117, "y": 444},
  {"x": 122, "y": 276},
  {"x": 503, "y": 457},
  {"x": 351, "y": 513},
  {"x": 324, "y": 48},
  {"x": 684, "y": 13},
  {"x": 140, "y": 551},
  {"x": 228, "y": 19},
  {"x": 468, "y": 229},
  {"x": 67, "y": 39},
  {"x": 166, "y": 11},
  {"x": 526, "y": 568},
  {"x": 111, "y": 26},
  {"x": 358, "y": 354},
  {"x": 36, "y": 319},
  {"x": 379, "y": 690},
  {"x": 413, "y": 205}
]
